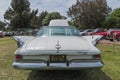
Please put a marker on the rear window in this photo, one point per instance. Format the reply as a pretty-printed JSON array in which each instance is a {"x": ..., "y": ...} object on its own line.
[{"x": 58, "y": 31}]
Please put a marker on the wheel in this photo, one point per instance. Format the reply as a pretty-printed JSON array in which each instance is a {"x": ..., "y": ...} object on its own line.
[{"x": 111, "y": 39}]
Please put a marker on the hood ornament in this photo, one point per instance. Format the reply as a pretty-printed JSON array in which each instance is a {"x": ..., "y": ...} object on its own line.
[{"x": 58, "y": 46}]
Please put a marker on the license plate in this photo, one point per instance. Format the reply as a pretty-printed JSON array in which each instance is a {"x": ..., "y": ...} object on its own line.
[{"x": 57, "y": 58}]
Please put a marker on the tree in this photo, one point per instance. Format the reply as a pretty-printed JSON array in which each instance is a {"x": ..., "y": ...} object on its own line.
[
  {"x": 50, "y": 16},
  {"x": 41, "y": 17},
  {"x": 9, "y": 14},
  {"x": 34, "y": 21},
  {"x": 113, "y": 20},
  {"x": 20, "y": 15},
  {"x": 2, "y": 25},
  {"x": 89, "y": 13},
  {"x": 20, "y": 5}
]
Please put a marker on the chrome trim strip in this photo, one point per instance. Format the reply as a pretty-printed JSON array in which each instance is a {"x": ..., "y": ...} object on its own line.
[{"x": 53, "y": 66}]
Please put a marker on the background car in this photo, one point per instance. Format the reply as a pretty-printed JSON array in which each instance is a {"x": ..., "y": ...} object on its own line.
[
  {"x": 85, "y": 32},
  {"x": 114, "y": 35},
  {"x": 1, "y": 34},
  {"x": 99, "y": 31}
]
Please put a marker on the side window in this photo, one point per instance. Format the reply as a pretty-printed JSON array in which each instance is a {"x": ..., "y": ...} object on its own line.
[{"x": 40, "y": 32}]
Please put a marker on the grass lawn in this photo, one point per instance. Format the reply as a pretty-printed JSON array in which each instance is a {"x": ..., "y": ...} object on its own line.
[
  {"x": 111, "y": 59},
  {"x": 110, "y": 71}
]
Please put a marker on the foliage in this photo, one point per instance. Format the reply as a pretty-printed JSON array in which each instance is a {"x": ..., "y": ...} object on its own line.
[
  {"x": 113, "y": 20},
  {"x": 20, "y": 5},
  {"x": 34, "y": 21},
  {"x": 9, "y": 14},
  {"x": 20, "y": 15},
  {"x": 50, "y": 16},
  {"x": 89, "y": 13},
  {"x": 41, "y": 17},
  {"x": 73, "y": 23},
  {"x": 2, "y": 25}
]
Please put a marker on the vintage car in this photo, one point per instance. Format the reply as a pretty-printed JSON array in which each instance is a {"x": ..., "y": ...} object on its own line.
[
  {"x": 99, "y": 31},
  {"x": 85, "y": 32},
  {"x": 57, "y": 48},
  {"x": 114, "y": 35}
]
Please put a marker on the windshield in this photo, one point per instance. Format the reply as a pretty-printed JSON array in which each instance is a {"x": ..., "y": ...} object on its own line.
[{"x": 58, "y": 31}]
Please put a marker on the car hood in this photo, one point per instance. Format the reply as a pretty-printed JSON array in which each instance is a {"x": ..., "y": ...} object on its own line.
[{"x": 64, "y": 43}]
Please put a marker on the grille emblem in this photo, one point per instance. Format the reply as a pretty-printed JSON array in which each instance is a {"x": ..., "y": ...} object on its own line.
[{"x": 58, "y": 46}]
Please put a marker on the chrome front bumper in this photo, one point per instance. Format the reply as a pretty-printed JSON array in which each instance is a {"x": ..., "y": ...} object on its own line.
[{"x": 57, "y": 66}]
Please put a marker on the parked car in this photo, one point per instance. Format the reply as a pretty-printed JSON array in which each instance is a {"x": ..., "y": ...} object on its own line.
[
  {"x": 114, "y": 35},
  {"x": 1, "y": 34},
  {"x": 9, "y": 33},
  {"x": 57, "y": 47},
  {"x": 95, "y": 31},
  {"x": 99, "y": 31},
  {"x": 85, "y": 32}
]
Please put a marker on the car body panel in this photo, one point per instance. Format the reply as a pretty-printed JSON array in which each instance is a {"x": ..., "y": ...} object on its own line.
[
  {"x": 57, "y": 22},
  {"x": 58, "y": 66},
  {"x": 64, "y": 49},
  {"x": 91, "y": 38},
  {"x": 48, "y": 43}
]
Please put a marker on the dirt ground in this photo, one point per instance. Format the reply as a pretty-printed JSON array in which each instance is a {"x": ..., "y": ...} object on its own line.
[{"x": 107, "y": 42}]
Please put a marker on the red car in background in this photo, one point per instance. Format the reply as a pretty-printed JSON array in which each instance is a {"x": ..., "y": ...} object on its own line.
[
  {"x": 99, "y": 31},
  {"x": 114, "y": 35},
  {"x": 111, "y": 34},
  {"x": 1, "y": 34}
]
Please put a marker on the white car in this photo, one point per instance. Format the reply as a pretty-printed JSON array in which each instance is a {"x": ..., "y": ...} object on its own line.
[{"x": 57, "y": 48}]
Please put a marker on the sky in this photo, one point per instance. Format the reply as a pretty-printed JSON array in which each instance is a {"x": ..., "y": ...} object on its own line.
[{"x": 51, "y": 5}]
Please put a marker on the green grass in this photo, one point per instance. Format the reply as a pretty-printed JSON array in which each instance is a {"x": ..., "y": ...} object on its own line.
[
  {"x": 7, "y": 48},
  {"x": 111, "y": 58},
  {"x": 110, "y": 71}
]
